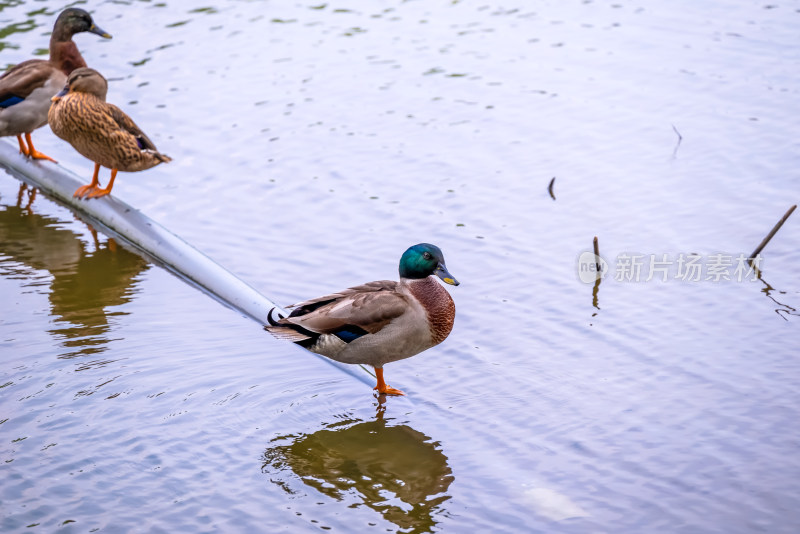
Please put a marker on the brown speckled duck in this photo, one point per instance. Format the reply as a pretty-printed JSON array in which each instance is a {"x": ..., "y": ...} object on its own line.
[
  {"x": 378, "y": 322},
  {"x": 26, "y": 89},
  {"x": 100, "y": 131}
]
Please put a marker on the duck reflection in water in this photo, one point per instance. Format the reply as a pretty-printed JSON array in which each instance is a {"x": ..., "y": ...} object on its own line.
[
  {"x": 392, "y": 469},
  {"x": 84, "y": 281},
  {"x": 23, "y": 188}
]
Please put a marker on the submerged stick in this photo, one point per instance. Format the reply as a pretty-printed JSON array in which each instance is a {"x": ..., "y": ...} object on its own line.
[
  {"x": 151, "y": 240},
  {"x": 680, "y": 137},
  {"x": 596, "y": 295},
  {"x": 599, "y": 275},
  {"x": 678, "y": 144},
  {"x": 772, "y": 233}
]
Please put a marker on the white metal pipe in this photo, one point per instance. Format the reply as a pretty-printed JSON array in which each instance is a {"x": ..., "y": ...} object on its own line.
[{"x": 156, "y": 243}]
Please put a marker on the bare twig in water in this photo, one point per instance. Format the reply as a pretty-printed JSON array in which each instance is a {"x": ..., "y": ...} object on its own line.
[
  {"x": 596, "y": 254},
  {"x": 772, "y": 232},
  {"x": 678, "y": 144},
  {"x": 550, "y": 187}
]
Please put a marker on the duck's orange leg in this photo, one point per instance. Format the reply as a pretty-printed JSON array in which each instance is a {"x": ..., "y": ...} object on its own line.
[
  {"x": 23, "y": 149},
  {"x": 382, "y": 387},
  {"x": 33, "y": 153},
  {"x": 84, "y": 190},
  {"x": 103, "y": 192}
]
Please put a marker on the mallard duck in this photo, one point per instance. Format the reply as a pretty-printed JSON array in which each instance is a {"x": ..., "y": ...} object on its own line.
[
  {"x": 378, "y": 322},
  {"x": 100, "y": 131},
  {"x": 26, "y": 89}
]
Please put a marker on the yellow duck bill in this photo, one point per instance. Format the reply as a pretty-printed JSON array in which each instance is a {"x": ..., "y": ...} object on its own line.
[{"x": 447, "y": 278}]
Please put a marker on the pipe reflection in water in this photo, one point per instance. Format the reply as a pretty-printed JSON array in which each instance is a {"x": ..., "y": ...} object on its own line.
[
  {"x": 392, "y": 469},
  {"x": 83, "y": 282}
]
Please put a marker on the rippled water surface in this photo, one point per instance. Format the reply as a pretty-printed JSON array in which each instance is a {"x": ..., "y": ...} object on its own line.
[{"x": 312, "y": 143}]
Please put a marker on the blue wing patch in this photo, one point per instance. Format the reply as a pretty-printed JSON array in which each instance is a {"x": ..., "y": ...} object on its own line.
[
  {"x": 10, "y": 100},
  {"x": 350, "y": 333}
]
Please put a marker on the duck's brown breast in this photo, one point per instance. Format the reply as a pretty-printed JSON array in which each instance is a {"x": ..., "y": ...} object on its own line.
[{"x": 438, "y": 305}]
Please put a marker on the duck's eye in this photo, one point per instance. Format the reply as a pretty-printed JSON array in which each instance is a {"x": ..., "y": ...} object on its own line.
[{"x": 427, "y": 255}]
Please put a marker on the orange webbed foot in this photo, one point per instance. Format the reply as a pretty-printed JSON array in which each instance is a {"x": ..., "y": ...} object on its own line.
[
  {"x": 97, "y": 193},
  {"x": 30, "y": 151},
  {"x": 388, "y": 390},
  {"x": 84, "y": 191},
  {"x": 35, "y": 154},
  {"x": 382, "y": 388}
]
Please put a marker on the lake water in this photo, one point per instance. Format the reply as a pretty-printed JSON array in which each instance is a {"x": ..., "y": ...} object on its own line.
[{"x": 312, "y": 143}]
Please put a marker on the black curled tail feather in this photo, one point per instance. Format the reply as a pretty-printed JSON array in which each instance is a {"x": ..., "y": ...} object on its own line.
[
  {"x": 272, "y": 321},
  {"x": 290, "y": 332}
]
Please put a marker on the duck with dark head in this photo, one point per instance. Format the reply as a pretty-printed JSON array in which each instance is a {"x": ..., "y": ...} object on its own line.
[
  {"x": 26, "y": 88},
  {"x": 378, "y": 322}
]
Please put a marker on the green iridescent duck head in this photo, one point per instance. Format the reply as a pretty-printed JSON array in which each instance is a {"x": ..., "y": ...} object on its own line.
[{"x": 423, "y": 260}]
